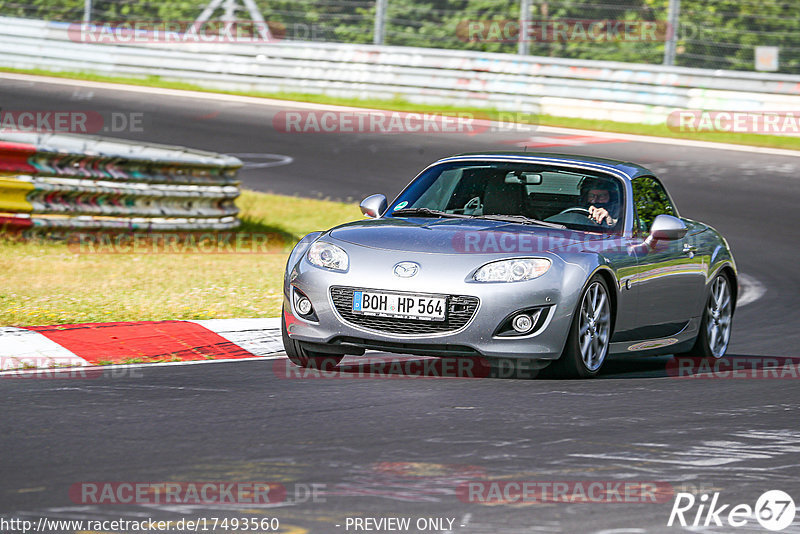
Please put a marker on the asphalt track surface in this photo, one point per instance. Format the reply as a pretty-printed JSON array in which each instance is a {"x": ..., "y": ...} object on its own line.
[{"x": 400, "y": 447}]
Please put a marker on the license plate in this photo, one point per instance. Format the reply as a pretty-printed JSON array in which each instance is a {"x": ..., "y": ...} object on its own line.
[{"x": 399, "y": 305}]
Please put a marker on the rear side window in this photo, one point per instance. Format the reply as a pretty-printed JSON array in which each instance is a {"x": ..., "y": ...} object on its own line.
[{"x": 650, "y": 199}]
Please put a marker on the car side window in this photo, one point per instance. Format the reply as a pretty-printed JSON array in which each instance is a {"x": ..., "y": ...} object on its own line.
[{"x": 650, "y": 199}]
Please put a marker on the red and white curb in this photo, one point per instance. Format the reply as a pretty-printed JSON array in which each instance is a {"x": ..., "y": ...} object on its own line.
[
  {"x": 170, "y": 342},
  {"x": 93, "y": 344}
]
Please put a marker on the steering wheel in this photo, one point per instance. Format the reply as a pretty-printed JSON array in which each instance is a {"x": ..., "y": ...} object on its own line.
[
  {"x": 472, "y": 207},
  {"x": 577, "y": 211},
  {"x": 582, "y": 211}
]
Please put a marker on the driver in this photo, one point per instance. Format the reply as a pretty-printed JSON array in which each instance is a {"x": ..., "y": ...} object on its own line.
[{"x": 601, "y": 199}]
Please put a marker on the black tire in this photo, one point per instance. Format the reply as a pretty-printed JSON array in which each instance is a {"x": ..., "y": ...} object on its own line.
[
  {"x": 723, "y": 321},
  {"x": 306, "y": 358},
  {"x": 572, "y": 362}
]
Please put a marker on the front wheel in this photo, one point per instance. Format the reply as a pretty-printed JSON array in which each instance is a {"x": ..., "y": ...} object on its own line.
[
  {"x": 589, "y": 335},
  {"x": 306, "y": 358},
  {"x": 715, "y": 328}
]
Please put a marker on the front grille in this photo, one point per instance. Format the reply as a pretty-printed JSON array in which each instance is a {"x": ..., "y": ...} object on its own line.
[{"x": 460, "y": 310}]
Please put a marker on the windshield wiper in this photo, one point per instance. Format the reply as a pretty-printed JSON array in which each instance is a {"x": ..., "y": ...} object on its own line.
[
  {"x": 521, "y": 219},
  {"x": 427, "y": 212}
]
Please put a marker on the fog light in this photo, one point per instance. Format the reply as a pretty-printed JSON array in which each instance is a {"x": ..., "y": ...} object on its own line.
[
  {"x": 303, "y": 306},
  {"x": 522, "y": 323}
]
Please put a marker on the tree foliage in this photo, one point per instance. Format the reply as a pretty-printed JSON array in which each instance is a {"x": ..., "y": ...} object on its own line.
[{"x": 712, "y": 33}]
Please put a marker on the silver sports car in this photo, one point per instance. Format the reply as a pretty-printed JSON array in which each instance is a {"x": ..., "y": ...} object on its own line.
[{"x": 551, "y": 259}]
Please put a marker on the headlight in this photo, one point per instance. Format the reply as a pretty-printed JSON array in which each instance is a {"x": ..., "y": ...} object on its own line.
[
  {"x": 328, "y": 256},
  {"x": 512, "y": 270}
]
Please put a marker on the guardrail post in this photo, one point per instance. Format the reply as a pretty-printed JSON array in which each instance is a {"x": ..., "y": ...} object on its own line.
[
  {"x": 673, "y": 14},
  {"x": 380, "y": 22}
]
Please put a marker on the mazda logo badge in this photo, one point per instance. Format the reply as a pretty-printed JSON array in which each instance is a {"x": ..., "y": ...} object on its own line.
[{"x": 406, "y": 269}]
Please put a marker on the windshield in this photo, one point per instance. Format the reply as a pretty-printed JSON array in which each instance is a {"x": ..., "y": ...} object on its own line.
[{"x": 491, "y": 189}]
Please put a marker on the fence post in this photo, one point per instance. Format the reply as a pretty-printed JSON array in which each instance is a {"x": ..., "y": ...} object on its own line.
[
  {"x": 673, "y": 15},
  {"x": 380, "y": 22},
  {"x": 524, "y": 44}
]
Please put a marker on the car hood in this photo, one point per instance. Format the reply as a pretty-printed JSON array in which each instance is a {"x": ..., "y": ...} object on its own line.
[{"x": 455, "y": 236}]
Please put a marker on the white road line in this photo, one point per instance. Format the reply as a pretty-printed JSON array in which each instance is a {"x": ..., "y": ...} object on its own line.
[
  {"x": 250, "y": 160},
  {"x": 674, "y": 141},
  {"x": 290, "y": 104}
]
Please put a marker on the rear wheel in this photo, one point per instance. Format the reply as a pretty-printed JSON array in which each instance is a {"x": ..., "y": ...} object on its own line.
[
  {"x": 306, "y": 358},
  {"x": 589, "y": 335},
  {"x": 715, "y": 327}
]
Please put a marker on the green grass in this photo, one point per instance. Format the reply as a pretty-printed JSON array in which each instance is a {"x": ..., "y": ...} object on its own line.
[
  {"x": 48, "y": 282},
  {"x": 400, "y": 104}
]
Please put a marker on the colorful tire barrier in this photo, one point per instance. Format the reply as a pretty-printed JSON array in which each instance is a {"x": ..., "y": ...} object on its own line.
[{"x": 82, "y": 182}]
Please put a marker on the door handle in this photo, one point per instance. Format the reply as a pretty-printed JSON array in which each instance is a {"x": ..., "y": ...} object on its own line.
[{"x": 689, "y": 249}]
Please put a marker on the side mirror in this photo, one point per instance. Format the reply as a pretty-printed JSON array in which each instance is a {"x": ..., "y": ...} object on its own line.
[
  {"x": 665, "y": 228},
  {"x": 373, "y": 206}
]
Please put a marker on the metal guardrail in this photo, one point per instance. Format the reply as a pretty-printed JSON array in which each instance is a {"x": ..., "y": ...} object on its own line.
[
  {"x": 61, "y": 181},
  {"x": 571, "y": 88}
]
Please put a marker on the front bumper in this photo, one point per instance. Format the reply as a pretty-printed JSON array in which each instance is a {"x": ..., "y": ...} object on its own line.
[{"x": 556, "y": 292}]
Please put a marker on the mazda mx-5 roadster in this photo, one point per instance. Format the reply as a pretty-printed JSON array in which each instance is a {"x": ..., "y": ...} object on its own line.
[{"x": 555, "y": 260}]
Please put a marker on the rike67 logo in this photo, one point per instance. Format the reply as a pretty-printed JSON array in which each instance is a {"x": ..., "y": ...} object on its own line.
[{"x": 774, "y": 510}]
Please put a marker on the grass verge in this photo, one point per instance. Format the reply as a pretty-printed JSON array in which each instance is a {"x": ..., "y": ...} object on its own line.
[
  {"x": 49, "y": 282},
  {"x": 400, "y": 104}
]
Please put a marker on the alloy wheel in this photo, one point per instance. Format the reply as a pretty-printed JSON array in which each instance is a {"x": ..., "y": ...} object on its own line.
[
  {"x": 718, "y": 317},
  {"x": 595, "y": 326}
]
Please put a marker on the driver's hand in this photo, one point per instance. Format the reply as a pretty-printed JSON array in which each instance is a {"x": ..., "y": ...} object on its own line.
[{"x": 601, "y": 215}]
